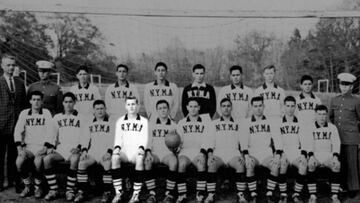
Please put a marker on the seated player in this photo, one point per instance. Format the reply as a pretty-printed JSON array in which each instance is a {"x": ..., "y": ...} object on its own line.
[
  {"x": 194, "y": 132},
  {"x": 70, "y": 130},
  {"x": 131, "y": 140},
  {"x": 226, "y": 134},
  {"x": 160, "y": 126},
  {"x": 259, "y": 133},
  {"x": 295, "y": 150},
  {"x": 101, "y": 138},
  {"x": 31, "y": 131},
  {"x": 325, "y": 153}
]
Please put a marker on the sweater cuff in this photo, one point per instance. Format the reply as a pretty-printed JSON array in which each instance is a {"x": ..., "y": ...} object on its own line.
[
  {"x": 245, "y": 152},
  {"x": 18, "y": 143},
  {"x": 48, "y": 145},
  {"x": 311, "y": 154},
  {"x": 202, "y": 150},
  {"x": 303, "y": 152},
  {"x": 337, "y": 155},
  {"x": 279, "y": 152}
]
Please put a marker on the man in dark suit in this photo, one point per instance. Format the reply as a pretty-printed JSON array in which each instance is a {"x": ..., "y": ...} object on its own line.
[{"x": 12, "y": 102}]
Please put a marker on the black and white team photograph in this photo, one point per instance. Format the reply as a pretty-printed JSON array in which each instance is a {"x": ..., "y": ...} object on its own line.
[{"x": 158, "y": 101}]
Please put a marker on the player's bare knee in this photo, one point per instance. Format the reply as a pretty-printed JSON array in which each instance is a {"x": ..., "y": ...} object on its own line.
[
  {"x": 284, "y": 164},
  {"x": 183, "y": 163},
  {"x": 200, "y": 162},
  {"x": 38, "y": 162},
  {"x": 19, "y": 162},
  {"x": 238, "y": 164},
  {"x": 74, "y": 161},
  {"x": 213, "y": 164}
]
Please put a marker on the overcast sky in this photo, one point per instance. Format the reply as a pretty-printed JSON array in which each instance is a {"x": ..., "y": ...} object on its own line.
[{"x": 136, "y": 35}]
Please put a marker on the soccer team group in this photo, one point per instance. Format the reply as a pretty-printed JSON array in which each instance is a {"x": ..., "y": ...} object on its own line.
[{"x": 261, "y": 128}]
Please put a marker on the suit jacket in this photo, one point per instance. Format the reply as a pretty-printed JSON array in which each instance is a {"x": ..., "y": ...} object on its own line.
[{"x": 11, "y": 104}]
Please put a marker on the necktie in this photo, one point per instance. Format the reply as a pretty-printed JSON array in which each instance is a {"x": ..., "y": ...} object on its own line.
[{"x": 11, "y": 85}]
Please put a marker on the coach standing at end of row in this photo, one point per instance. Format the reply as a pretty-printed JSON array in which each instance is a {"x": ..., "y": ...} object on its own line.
[
  {"x": 345, "y": 114},
  {"x": 12, "y": 102}
]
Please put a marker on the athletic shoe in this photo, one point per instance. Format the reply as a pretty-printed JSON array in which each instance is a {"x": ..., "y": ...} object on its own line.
[
  {"x": 181, "y": 198},
  {"x": 69, "y": 196},
  {"x": 335, "y": 199},
  {"x": 209, "y": 198},
  {"x": 168, "y": 199},
  {"x": 151, "y": 199},
  {"x": 52, "y": 194},
  {"x": 26, "y": 192},
  {"x": 134, "y": 197},
  {"x": 241, "y": 198},
  {"x": 200, "y": 197},
  {"x": 106, "y": 197},
  {"x": 283, "y": 198},
  {"x": 312, "y": 199},
  {"x": 117, "y": 198},
  {"x": 79, "y": 196},
  {"x": 38, "y": 193},
  {"x": 270, "y": 197}
]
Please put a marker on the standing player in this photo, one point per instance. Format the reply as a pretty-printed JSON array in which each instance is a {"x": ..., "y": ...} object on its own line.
[
  {"x": 226, "y": 133},
  {"x": 131, "y": 140},
  {"x": 260, "y": 132},
  {"x": 239, "y": 94},
  {"x": 32, "y": 130},
  {"x": 85, "y": 92},
  {"x": 325, "y": 153},
  {"x": 161, "y": 89},
  {"x": 101, "y": 131},
  {"x": 70, "y": 128},
  {"x": 117, "y": 93},
  {"x": 159, "y": 127},
  {"x": 52, "y": 92},
  {"x": 204, "y": 93},
  {"x": 273, "y": 94},
  {"x": 295, "y": 150},
  {"x": 307, "y": 101},
  {"x": 194, "y": 132}
]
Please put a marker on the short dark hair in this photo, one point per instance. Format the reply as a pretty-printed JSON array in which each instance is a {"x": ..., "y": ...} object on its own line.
[
  {"x": 290, "y": 99},
  {"x": 162, "y": 101},
  {"x": 82, "y": 67},
  {"x": 306, "y": 77},
  {"x": 256, "y": 99},
  {"x": 131, "y": 98},
  {"x": 36, "y": 93},
  {"x": 161, "y": 64},
  {"x": 225, "y": 100},
  {"x": 269, "y": 67},
  {"x": 321, "y": 107},
  {"x": 192, "y": 99},
  {"x": 98, "y": 102},
  {"x": 69, "y": 94},
  {"x": 198, "y": 66},
  {"x": 236, "y": 67},
  {"x": 122, "y": 66},
  {"x": 8, "y": 56}
]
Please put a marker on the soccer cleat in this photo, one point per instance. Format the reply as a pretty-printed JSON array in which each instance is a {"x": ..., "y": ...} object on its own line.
[
  {"x": 199, "y": 197},
  {"x": 134, "y": 198},
  {"x": 270, "y": 197},
  {"x": 69, "y": 195},
  {"x": 241, "y": 198},
  {"x": 335, "y": 199},
  {"x": 52, "y": 194},
  {"x": 181, "y": 198},
  {"x": 26, "y": 192},
  {"x": 296, "y": 198},
  {"x": 209, "y": 198},
  {"x": 283, "y": 198},
  {"x": 79, "y": 196},
  {"x": 38, "y": 193},
  {"x": 312, "y": 199},
  {"x": 151, "y": 199},
  {"x": 168, "y": 199},
  {"x": 106, "y": 197},
  {"x": 253, "y": 198},
  {"x": 117, "y": 198}
]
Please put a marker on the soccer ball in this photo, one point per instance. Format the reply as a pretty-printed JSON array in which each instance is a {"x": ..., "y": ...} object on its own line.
[{"x": 172, "y": 140}]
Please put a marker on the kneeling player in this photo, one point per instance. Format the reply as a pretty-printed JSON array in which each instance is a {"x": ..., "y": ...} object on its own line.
[
  {"x": 260, "y": 132},
  {"x": 131, "y": 140},
  {"x": 326, "y": 149},
  {"x": 160, "y": 126},
  {"x": 101, "y": 137},
  {"x": 226, "y": 133},
  {"x": 295, "y": 150},
  {"x": 31, "y": 131},
  {"x": 193, "y": 130},
  {"x": 70, "y": 130}
]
